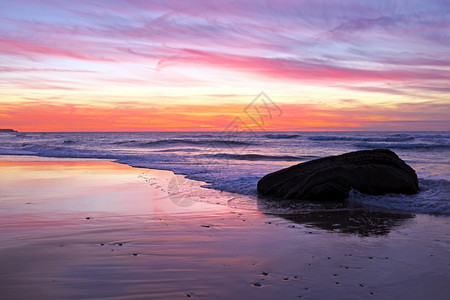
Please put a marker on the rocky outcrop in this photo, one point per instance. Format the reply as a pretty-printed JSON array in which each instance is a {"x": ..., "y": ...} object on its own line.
[{"x": 373, "y": 172}]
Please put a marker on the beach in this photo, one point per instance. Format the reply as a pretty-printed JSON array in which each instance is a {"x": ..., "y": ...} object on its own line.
[
  {"x": 96, "y": 229},
  {"x": 225, "y": 150}
]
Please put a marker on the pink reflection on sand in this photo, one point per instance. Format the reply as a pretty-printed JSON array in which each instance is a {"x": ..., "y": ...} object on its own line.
[{"x": 56, "y": 193}]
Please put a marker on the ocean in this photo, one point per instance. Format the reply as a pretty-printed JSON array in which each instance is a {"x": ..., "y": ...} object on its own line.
[{"x": 234, "y": 161}]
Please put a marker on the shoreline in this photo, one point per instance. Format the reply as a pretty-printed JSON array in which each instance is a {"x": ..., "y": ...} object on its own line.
[{"x": 96, "y": 229}]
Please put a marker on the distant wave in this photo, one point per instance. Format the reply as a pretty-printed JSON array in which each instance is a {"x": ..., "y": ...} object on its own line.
[
  {"x": 124, "y": 142},
  {"x": 402, "y": 146},
  {"x": 179, "y": 150},
  {"x": 208, "y": 143},
  {"x": 68, "y": 142},
  {"x": 6, "y": 151},
  {"x": 433, "y": 136},
  {"x": 397, "y": 138},
  {"x": 281, "y": 136},
  {"x": 172, "y": 142},
  {"x": 254, "y": 157}
]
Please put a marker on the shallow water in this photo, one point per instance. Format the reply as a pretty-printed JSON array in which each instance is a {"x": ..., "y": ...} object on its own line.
[{"x": 235, "y": 161}]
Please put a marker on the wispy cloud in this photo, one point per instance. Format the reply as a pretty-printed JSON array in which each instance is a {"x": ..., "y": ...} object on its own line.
[{"x": 43, "y": 70}]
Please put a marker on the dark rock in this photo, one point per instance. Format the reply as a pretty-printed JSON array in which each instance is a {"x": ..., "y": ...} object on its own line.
[
  {"x": 373, "y": 172},
  {"x": 7, "y": 130}
]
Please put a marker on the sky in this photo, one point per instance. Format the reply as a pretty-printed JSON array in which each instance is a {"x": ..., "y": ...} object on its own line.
[{"x": 198, "y": 65}]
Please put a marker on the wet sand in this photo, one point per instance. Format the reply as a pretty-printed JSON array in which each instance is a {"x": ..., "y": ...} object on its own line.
[{"x": 97, "y": 229}]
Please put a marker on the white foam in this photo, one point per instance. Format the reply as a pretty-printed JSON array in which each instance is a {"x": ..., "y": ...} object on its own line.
[{"x": 433, "y": 197}]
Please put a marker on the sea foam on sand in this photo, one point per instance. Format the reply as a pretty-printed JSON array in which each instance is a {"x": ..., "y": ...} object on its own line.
[{"x": 97, "y": 229}]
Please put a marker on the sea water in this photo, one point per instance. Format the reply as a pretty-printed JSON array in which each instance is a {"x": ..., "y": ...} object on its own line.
[{"x": 235, "y": 161}]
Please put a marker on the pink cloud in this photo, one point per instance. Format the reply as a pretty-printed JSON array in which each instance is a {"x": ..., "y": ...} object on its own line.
[
  {"x": 281, "y": 68},
  {"x": 45, "y": 70},
  {"x": 232, "y": 35},
  {"x": 30, "y": 49}
]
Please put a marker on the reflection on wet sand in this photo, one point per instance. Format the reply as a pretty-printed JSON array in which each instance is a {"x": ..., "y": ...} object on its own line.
[
  {"x": 361, "y": 222},
  {"x": 339, "y": 217}
]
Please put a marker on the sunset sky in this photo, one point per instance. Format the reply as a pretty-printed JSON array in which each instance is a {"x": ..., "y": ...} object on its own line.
[{"x": 195, "y": 65}]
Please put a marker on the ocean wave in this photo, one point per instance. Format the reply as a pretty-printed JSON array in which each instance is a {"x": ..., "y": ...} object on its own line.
[
  {"x": 207, "y": 143},
  {"x": 433, "y": 198},
  {"x": 124, "y": 142},
  {"x": 396, "y": 138},
  {"x": 61, "y": 152},
  {"x": 178, "y": 150},
  {"x": 281, "y": 136},
  {"x": 402, "y": 146},
  {"x": 255, "y": 157},
  {"x": 433, "y": 136},
  {"x": 6, "y": 151}
]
